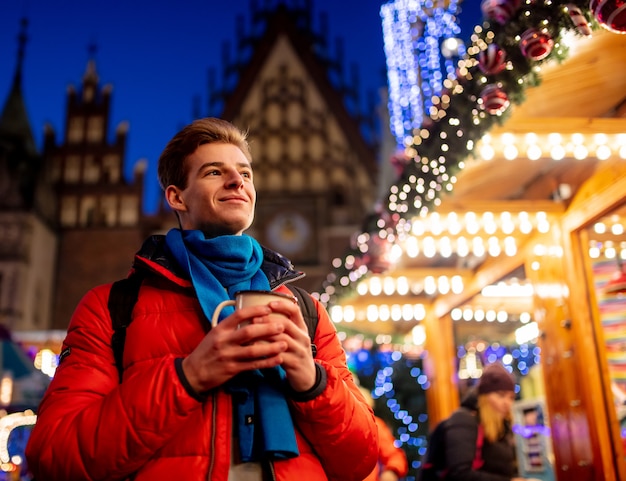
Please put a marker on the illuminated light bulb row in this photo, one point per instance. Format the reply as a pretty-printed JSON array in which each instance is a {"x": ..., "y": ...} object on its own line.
[
  {"x": 382, "y": 312},
  {"x": 472, "y": 223},
  {"x": 556, "y": 146},
  {"x": 430, "y": 285},
  {"x": 489, "y": 315},
  {"x": 615, "y": 228},
  {"x": 415, "y": 242},
  {"x": 380, "y": 339},
  {"x": 503, "y": 289},
  {"x": 542, "y": 250},
  {"x": 445, "y": 246},
  {"x": 608, "y": 250}
]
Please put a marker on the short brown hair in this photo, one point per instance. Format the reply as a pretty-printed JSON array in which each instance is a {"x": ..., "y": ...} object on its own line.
[{"x": 172, "y": 168}]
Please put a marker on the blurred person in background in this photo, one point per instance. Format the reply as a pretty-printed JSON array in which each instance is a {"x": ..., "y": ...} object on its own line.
[{"x": 479, "y": 441}]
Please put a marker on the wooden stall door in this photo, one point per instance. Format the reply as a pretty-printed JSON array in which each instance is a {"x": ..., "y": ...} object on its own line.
[
  {"x": 601, "y": 199},
  {"x": 571, "y": 438}
]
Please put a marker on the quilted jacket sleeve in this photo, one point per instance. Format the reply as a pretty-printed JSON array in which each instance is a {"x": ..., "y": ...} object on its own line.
[
  {"x": 338, "y": 423},
  {"x": 89, "y": 426}
]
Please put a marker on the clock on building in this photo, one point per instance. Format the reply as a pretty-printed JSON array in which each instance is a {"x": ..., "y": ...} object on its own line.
[{"x": 288, "y": 233}]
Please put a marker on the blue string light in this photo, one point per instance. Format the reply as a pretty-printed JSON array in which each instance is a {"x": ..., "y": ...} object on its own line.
[
  {"x": 391, "y": 381},
  {"x": 412, "y": 34}
]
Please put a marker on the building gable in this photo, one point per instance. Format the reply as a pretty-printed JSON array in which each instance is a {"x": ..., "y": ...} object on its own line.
[{"x": 315, "y": 171}]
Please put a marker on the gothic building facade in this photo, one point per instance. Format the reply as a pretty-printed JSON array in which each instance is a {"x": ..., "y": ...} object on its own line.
[
  {"x": 315, "y": 172},
  {"x": 99, "y": 212}
]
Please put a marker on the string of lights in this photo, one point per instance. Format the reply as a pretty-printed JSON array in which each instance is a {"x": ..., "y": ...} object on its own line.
[
  {"x": 442, "y": 138},
  {"x": 412, "y": 33}
]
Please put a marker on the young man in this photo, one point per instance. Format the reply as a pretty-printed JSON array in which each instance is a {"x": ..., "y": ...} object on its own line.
[{"x": 195, "y": 402}]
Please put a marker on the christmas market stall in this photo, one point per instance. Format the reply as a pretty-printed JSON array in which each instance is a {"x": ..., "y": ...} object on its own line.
[{"x": 503, "y": 240}]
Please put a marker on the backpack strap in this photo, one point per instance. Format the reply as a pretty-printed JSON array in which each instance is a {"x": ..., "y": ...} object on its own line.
[
  {"x": 122, "y": 299},
  {"x": 309, "y": 312}
]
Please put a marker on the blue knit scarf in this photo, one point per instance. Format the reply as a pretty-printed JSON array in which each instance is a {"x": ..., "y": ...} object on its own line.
[{"x": 218, "y": 268}]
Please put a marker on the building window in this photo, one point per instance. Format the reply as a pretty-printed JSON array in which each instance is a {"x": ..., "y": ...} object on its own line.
[
  {"x": 87, "y": 211},
  {"x": 129, "y": 211},
  {"x": 69, "y": 207},
  {"x": 275, "y": 181},
  {"x": 296, "y": 149},
  {"x": 111, "y": 169},
  {"x": 108, "y": 209},
  {"x": 297, "y": 181},
  {"x": 92, "y": 170},
  {"x": 295, "y": 114},
  {"x": 318, "y": 180},
  {"x": 55, "y": 174},
  {"x": 72, "y": 169},
  {"x": 316, "y": 147},
  {"x": 75, "y": 130},
  {"x": 95, "y": 129},
  {"x": 88, "y": 93},
  {"x": 274, "y": 149}
]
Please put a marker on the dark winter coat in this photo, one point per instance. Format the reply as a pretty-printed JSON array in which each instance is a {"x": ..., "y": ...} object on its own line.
[
  {"x": 460, "y": 441},
  {"x": 92, "y": 427}
]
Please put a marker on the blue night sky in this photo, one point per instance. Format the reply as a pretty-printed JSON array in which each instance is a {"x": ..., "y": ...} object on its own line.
[{"x": 156, "y": 55}]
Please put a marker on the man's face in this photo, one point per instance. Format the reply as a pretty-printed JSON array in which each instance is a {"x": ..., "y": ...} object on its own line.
[{"x": 219, "y": 198}]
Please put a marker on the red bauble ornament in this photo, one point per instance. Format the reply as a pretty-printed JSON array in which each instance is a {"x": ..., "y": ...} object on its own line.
[
  {"x": 536, "y": 44},
  {"x": 499, "y": 10},
  {"x": 378, "y": 256},
  {"x": 399, "y": 161},
  {"x": 610, "y": 14},
  {"x": 579, "y": 20},
  {"x": 492, "y": 60},
  {"x": 494, "y": 99}
]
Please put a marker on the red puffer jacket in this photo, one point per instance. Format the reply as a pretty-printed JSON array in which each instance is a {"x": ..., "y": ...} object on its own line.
[{"x": 149, "y": 428}]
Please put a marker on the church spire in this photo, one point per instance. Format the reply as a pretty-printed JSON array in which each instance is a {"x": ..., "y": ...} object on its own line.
[
  {"x": 14, "y": 122},
  {"x": 22, "y": 38},
  {"x": 90, "y": 77}
]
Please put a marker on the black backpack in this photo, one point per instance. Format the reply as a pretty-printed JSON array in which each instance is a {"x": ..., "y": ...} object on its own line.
[
  {"x": 434, "y": 467},
  {"x": 123, "y": 296}
]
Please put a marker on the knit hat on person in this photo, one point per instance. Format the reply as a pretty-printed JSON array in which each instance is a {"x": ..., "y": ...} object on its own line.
[{"x": 495, "y": 377}]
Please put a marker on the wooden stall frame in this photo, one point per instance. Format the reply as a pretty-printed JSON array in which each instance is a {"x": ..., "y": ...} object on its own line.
[{"x": 599, "y": 196}]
